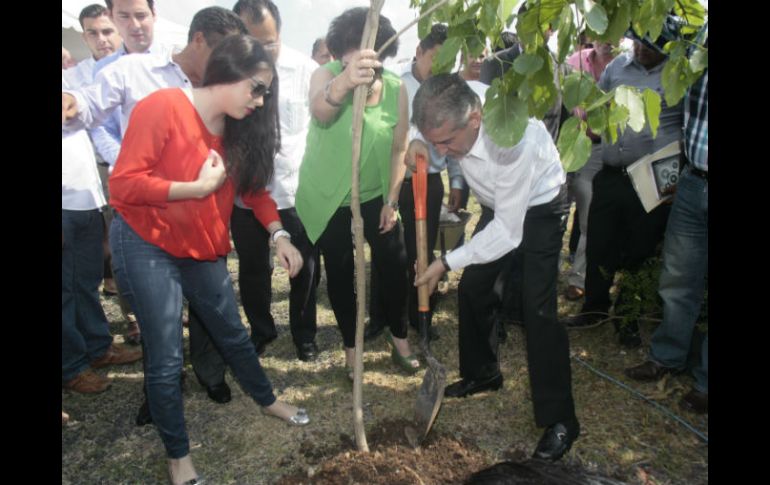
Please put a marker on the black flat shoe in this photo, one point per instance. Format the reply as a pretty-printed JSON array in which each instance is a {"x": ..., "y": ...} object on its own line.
[
  {"x": 219, "y": 393},
  {"x": 557, "y": 439},
  {"x": 307, "y": 352},
  {"x": 467, "y": 387}
]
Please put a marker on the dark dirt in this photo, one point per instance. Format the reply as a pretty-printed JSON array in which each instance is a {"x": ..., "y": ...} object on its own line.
[{"x": 392, "y": 461}]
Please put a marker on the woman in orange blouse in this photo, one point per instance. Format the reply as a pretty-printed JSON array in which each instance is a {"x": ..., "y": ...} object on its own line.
[{"x": 173, "y": 194}]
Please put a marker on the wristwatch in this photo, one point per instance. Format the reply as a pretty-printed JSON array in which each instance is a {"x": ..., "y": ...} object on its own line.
[
  {"x": 280, "y": 233},
  {"x": 393, "y": 205}
]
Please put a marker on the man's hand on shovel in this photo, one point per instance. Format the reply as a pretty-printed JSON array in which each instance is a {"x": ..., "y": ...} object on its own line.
[{"x": 431, "y": 276}]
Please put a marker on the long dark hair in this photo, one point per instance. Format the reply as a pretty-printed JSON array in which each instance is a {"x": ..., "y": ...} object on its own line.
[{"x": 250, "y": 144}]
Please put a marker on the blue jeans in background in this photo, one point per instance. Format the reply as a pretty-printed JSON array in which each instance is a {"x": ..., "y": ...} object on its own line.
[
  {"x": 154, "y": 283},
  {"x": 85, "y": 332},
  {"x": 682, "y": 279}
]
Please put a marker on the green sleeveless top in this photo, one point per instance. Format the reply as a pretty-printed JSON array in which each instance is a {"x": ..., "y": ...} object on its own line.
[{"x": 326, "y": 171}]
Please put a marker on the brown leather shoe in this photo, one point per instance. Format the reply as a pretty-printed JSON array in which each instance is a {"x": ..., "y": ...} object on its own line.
[
  {"x": 117, "y": 355},
  {"x": 695, "y": 401},
  {"x": 649, "y": 371},
  {"x": 88, "y": 382},
  {"x": 574, "y": 293}
]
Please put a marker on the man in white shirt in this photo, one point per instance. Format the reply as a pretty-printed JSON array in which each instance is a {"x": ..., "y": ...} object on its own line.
[
  {"x": 263, "y": 21},
  {"x": 523, "y": 197},
  {"x": 86, "y": 339}
]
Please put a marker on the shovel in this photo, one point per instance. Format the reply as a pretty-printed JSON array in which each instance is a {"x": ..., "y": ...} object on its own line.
[{"x": 431, "y": 391}]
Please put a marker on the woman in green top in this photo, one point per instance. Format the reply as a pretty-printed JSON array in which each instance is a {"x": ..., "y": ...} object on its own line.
[{"x": 324, "y": 192}]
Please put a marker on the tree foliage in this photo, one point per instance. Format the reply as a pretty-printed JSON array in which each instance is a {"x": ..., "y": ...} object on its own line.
[{"x": 530, "y": 86}]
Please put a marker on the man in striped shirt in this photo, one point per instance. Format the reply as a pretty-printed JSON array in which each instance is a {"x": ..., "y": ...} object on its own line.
[{"x": 685, "y": 256}]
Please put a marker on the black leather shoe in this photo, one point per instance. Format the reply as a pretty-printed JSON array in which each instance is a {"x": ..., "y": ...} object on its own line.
[
  {"x": 219, "y": 393},
  {"x": 628, "y": 334},
  {"x": 373, "y": 330},
  {"x": 307, "y": 352},
  {"x": 557, "y": 439},
  {"x": 649, "y": 371},
  {"x": 584, "y": 320},
  {"x": 143, "y": 416},
  {"x": 467, "y": 387},
  {"x": 695, "y": 401}
]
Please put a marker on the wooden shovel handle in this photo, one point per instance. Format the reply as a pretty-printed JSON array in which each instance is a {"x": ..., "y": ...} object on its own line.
[{"x": 420, "y": 191}]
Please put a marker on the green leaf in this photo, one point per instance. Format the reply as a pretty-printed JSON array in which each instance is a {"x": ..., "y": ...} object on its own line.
[
  {"x": 566, "y": 33},
  {"x": 444, "y": 60},
  {"x": 505, "y": 117},
  {"x": 643, "y": 18},
  {"x": 528, "y": 28},
  {"x": 577, "y": 87},
  {"x": 618, "y": 23},
  {"x": 674, "y": 79},
  {"x": 597, "y": 120},
  {"x": 549, "y": 10},
  {"x": 505, "y": 9},
  {"x": 691, "y": 11},
  {"x": 573, "y": 144},
  {"x": 632, "y": 100},
  {"x": 527, "y": 64},
  {"x": 699, "y": 60},
  {"x": 604, "y": 99},
  {"x": 652, "y": 109},
  {"x": 597, "y": 19},
  {"x": 488, "y": 19},
  {"x": 617, "y": 120}
]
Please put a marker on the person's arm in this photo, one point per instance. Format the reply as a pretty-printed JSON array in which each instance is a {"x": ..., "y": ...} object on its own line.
[
  {"x": 106, "y": 139},
  {"x": 265, "y": 210},
  {"x": 89, "y": 106},
  {"x": 397, "y": 165},
  {"x": 456, "y": 184},
  {"x": 328, "y": 92}
]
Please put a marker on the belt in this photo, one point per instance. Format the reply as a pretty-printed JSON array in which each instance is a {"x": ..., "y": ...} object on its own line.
[{"x": 699, "y": 173}]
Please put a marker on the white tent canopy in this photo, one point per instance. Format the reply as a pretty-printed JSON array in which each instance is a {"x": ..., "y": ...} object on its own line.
[{"x": 166, "y": 32}]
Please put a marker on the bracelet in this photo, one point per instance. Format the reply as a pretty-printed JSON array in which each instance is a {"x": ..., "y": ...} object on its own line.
[
  {"x": 393, "y": 205},
  {"x": 327, "y": 94},
  {"x": 280, "y": 233},
  {"x": 446, "y": 265}
]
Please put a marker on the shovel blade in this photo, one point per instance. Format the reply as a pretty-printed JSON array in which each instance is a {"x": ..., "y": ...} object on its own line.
[{"x": 429, "y": 399}]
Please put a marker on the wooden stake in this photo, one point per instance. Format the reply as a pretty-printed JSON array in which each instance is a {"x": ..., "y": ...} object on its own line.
[{"x": 359, "y": 102}]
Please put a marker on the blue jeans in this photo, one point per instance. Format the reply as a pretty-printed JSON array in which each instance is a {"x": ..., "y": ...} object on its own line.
[
  {"x": 85, "y": 333},
  {"x": 682, "y": 280},
  {"x": 154, "y": 282}
]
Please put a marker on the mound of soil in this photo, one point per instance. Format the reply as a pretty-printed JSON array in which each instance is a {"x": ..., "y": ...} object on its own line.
[{"x": 392, "y": 461}]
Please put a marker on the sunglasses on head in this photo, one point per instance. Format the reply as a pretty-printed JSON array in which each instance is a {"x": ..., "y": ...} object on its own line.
[{"x": 259, "y": 89}]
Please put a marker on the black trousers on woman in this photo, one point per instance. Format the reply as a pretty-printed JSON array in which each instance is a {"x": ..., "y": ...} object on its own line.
[
  {"x": 255, "y": 269},
  {"x": 546, "y": 339},
  {"x": 388, "y": 260}
]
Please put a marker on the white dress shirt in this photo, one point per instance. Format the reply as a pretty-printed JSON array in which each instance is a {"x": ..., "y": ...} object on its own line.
[
  {"x": 81, "y": 187},
  {"x": 124, "y": 83},
  {"x": 508, "y": 181},
  {"x": 294, "y": 72}
]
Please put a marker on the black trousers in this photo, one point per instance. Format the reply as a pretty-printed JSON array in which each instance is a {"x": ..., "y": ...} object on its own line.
[
  {"x": 621, "y": 235},
  {"x": 547, "y": 343},
  {"x": 434, "y": 198},
  {"x": 388, "y": 260},
  {"x": 255, "y": 269}
]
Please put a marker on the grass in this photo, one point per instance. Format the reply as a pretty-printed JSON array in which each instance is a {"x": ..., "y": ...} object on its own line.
[{"x": 622, "y": 436}]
